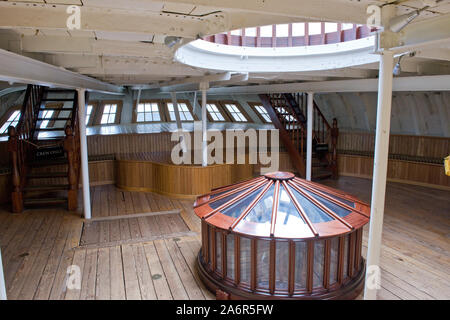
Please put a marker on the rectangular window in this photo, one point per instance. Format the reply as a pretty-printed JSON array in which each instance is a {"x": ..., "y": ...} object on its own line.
[
  {"x": 235, "y": 112},
  {"x": 12, "y": 121},
  {"x": 236, "y": 32},
  {"x": 298, "y": 29},
  {"x": 148, "y": 112},
  {"x": 282, "y": 30},
  {"x": 266, "y": 31},
  {"x": 185, "y": 114},
  {"x": 214, "y": 112},
  {"x": 314, "y": 28},
  {"x": 263, "y": 113},
  {"x": 46, "y": 115},
  {"x": 250, "y": 32},
  {"x": 330, "y": 27},
  {"x": 88, "y": 113},
  {"x": 109, "y": 114}
]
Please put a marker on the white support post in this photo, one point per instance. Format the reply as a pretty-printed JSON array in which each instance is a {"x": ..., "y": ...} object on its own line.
[
  {"x": 204, "y": 86},
  {"x": 173, "y": 95},
  {"x": 84, "y": 153},
  {"x": 2, "y": 280},
  {"x": 309, "y": 127},
  {"x": 379, "y": 174},
  {"x": 138, "y": 100}
]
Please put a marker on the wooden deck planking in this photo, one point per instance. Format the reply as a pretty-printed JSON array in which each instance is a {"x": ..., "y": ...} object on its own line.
[{"x": 38, "y": 248}]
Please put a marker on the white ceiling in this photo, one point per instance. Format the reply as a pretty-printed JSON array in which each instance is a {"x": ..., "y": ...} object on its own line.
[{"x": 122, "y": 41}]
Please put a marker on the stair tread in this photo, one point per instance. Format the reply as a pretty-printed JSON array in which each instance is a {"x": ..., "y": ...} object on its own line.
[
  {"x": 47, "y": 174},
  {"x": 56, "y": 109},
  {"x": 46, "y": 187},
  {"x": 58, "y": 99},
  {"x": 44, "y": 200},
  {"x": 51, "y": 162},
  {"x": 56, "y": 119}
]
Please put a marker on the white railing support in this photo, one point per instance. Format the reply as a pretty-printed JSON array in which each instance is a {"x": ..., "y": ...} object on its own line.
[{"x": 309, "y": 128}]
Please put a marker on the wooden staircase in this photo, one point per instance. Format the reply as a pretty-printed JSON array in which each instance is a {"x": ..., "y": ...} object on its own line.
[
  {"x": 45, "y": 160},
  {"x": 288, "y": 112}
]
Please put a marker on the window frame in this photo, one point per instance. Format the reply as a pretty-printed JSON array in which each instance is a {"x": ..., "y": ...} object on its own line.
[
  {"x": 94, "y": 112},
  {"x": 188, "y": 104},
  {"x": 160, "y": 109},
  {"x": 8, "y": 114},
  {"x": 253, "y": 106},
  {"x": 101, "y": 108},
  {"x": 219, "y": 107},
  {"x": 240, "y": 108}
]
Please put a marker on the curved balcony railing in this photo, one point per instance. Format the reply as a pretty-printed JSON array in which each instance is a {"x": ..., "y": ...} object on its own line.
[{"x": 292, "y": 35}]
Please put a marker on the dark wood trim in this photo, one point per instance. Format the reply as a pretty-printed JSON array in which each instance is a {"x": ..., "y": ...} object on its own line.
[
  {"x": 351, "y": 254},
  {"x": 359, "y": 234}
]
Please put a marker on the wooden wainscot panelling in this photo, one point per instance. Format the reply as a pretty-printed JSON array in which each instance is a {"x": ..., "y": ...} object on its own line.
[
  {"x": 182, "y": 181},
  {"x": 416, "y": 173}
]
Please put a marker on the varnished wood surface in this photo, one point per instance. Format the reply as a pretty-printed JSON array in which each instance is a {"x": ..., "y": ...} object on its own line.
[{"x": 37, "y": 248}]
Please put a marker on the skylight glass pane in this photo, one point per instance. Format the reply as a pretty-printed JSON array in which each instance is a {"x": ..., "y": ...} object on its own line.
[
  {"x": 262, "y": 211},
  {"x": 315, "y": 28},
  {"x": 340, "y": 211},
  {"x": 235, "y": 210},
  {"x": 266, "y": 31},
  {"x": 298, "y": 29},
  {"x": 287, "y": 212},
  {"x": 314, "y": 213},
  {"x": 282, "y": 30}
]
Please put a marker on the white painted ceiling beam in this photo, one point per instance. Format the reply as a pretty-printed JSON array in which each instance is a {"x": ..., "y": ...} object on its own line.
[
  {"x": 425, "y": 33},
  {"x": 225, "y": 76},
  {"x": 423, "y": 83},
  {"x": 79, "y": 45},
  {"x": 17, "y": 68},
  {"x": 434, "y": 53},
  {"x": 54, "y": 16},
  {"x": 344, "y": 11}
]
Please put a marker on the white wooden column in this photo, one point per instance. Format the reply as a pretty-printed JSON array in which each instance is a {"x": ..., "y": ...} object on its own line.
[
  {"x": 204, "y": 86},
  {"x": 84, "y": 153},
  {"x": 379, "y": 173},
  {"x": 2, "y": 280},
  {"x": 309, "y": 128}
]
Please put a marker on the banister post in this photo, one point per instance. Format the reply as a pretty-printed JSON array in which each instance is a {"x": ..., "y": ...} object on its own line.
[
  {"x": 13, "y": 149},
  {"x": 69, "y": 147},
  {"x": 334, "y": 138}
]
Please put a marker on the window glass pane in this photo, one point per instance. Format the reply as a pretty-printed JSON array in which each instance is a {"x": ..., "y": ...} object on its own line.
[
  {"x": 282, "y": 265},
  {"x": 230, "y": 256},
  {"x": 170, "y": 106},
  {"x": 250, "y": 32},
  {"x": 262, "y": 263},
  {"x": 319, "y": 250},
  {"x": 104, "y": 119},
  {"x": 140, "y": 117},
  {"x": 155, "y": 107},
  {"x": 140, "y": 108},
  {"x": 106, "y": 108},
  {"x": 346, "y": 26},
  {"x": 236, "y": 32},
  {"x": 156, "y": 116},
  {"x": 301, "y": 265},
  {"x": 235, "y": 113},
  {"x": 266, "y": 31},
  {"x": 330, "y": 27},
  {"x": 172, "y": 116},
  {"x": 298, "y": 29},
  {"x": 282, "y": 30},
  {"x": 113, "y": 108},
  {"x": 315, "y": 28},
  {"x": 246, "y": 260},
  {"x": 148, "y": 107},
  {"x": 334, "y": 260},
  {"x": 112, "y": 117},
  {"x": 219, "y": 251}
]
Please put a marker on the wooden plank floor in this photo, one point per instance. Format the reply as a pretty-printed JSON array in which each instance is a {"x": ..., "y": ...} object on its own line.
[{"x": 39, "y": 245}]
